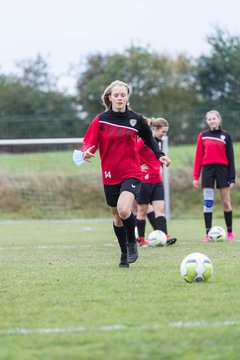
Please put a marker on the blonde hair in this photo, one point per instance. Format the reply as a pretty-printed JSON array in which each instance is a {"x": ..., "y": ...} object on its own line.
[
  {"x": 158, "y": 122},
  {"x": 147, "y": 120},
  {"x": 108, "y": 91},
  {"x": 214, "y": 112}
]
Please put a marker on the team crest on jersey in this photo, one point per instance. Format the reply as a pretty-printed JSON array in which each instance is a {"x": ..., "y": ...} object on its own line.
[
  {"x": 223, "y": 137},
  {"x": 133, "y": 122}
]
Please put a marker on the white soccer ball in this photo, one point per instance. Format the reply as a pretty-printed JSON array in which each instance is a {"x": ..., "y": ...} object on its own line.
[
  {"x": 217, "y": 233},
  {"x": 157, "y": 238},
  {"x": 196, "y": 267}
]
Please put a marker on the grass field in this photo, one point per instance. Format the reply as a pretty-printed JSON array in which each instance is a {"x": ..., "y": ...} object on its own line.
[
  {"x": 61, "y": 161},
  {"x": 64, "y": 297},
  {"x": 49, "y": 184}
]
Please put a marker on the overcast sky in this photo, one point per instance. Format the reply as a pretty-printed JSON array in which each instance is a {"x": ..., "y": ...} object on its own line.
[{"x": 66, "y": 31}]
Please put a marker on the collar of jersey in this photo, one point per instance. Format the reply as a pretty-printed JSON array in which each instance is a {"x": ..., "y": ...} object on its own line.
[
  {"x": 118, "y": 114},
  {"x": 216, "y": 130}
]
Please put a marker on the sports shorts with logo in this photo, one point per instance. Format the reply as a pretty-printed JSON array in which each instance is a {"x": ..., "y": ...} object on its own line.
[{"x": 112, "y": 192}]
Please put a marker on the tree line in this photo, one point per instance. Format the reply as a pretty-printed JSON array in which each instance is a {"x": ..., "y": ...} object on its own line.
[{"x": 180, "y": 88}]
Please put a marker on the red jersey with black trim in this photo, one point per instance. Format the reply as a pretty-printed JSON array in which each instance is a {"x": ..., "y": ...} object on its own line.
[
  {"x": 115, "y": 134},
  {"x": 152, "y": 174},
  {"x": 214, "y": 147}
]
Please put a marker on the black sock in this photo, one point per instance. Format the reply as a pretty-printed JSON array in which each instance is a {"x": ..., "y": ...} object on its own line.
[
  {"x": 208, "y": 221},
  {"x": 121, "y": 236},
  {"x": 151, "y": 218},
  {"x": 141, "y": 225},
  {"x": 129, "y": 225},
  {"x": 161, "y": 224},
  {"x": 228, "y": 220}
]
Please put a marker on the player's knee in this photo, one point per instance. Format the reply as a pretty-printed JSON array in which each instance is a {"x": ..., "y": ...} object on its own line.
[
  {"x": 227, "y": 205},
  {"x": 123, "y": 212},
  {"x": 116, "y": 218},
  {"x": 208, "y": 200},
  {"x": 117, "y": 222}
]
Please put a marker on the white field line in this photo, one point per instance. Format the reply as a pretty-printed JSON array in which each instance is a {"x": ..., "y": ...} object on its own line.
[
  {"x": 40, "y": 247},
  {"x": 45, "y": 221},
  {"x": 77, "y": 246},
  {"x": 204, "y": 323},
  {"x": 156, "y": 327}
]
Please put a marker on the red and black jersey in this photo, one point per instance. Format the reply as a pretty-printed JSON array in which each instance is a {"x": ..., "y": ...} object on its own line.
[
  {"x": 115, "y": 134},
  {"x": 152, "y": 174},
  {"x": 214, "y": 147}
]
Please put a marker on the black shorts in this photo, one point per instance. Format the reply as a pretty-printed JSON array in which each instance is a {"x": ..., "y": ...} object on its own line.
[
  {"x": 112, "y": 192},
  {"x": 150, "y": 193},
  {"x": 215, "y": 173}
]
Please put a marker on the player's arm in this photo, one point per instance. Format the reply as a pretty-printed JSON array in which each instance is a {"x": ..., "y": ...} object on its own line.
[
  {"x": 91, "y": 140},
  {"x": 145, "y": 133},
  {"x": 231, "y": 165},
  {"x": 90, "y": 144},
  {"x": 91, "y": 137},
  {"x": 197, "y": 166}
]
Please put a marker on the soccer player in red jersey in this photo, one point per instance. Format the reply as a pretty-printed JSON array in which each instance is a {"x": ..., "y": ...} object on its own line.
[
  {"x": 214, "y": 158},
  {"x": 152, "y": 191},
  {"x": 115, "y": 133}
]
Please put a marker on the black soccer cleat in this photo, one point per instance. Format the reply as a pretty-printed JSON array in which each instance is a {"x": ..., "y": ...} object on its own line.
[
  {"x": 132, "y": 251},
  {"x": 171, "y": 241},
  {"x": 123, "y": 261}
]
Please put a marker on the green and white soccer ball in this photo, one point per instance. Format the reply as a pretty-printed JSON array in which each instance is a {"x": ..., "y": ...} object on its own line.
[
  {"x": 217, "y": 233},
  {"x": 157, "y": 238},
  {"x": 196, "y": 267}
]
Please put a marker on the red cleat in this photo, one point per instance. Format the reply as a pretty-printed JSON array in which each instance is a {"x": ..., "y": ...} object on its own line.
[{"x": 142, "y": 242}]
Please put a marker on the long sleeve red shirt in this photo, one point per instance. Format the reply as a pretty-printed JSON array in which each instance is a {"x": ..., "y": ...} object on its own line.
[
  {"x": 152, "y": 174},
  {"x": 115, "y": 134}
]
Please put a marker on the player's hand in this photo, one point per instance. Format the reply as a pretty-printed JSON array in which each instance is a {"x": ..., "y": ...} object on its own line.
[
  {"x": 144, "y": 167},
  {"x": 88, "y": 154},
  {"x": 232, "y": 185},
  {"x": 165, "y": 160},
  {"x": 196, "y": 184}
]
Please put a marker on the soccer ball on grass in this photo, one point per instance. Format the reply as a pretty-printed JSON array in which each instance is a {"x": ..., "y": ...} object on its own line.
[
  {"x": 217, "y": 233},
  {"x": 196, "y": 267},
  {"x": 157, "y": 238}
]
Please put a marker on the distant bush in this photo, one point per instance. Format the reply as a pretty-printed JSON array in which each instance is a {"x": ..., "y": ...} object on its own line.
[{"x": 64, "y": 196}]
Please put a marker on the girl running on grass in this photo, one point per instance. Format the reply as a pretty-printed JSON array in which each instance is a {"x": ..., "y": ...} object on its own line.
[{"x": 115, "y": 133}]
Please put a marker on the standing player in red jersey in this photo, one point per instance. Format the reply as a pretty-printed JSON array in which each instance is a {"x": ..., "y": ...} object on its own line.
[
  {"x": 115, "y": 133},
  {"x": 214, "y": 157},
  {"x": 152, "y": 191}
]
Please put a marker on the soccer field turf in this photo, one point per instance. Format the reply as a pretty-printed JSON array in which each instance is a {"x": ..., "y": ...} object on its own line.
[{"x": 64, "y": 297}]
